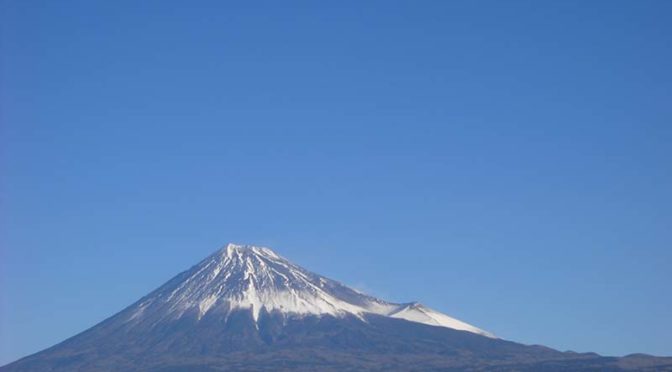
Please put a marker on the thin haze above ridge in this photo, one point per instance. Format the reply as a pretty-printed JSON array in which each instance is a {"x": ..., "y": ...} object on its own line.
[{"x": 239, "y": 277}]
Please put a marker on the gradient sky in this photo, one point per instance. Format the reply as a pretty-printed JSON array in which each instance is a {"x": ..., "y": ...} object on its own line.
[{"x": 508, "y": 163}]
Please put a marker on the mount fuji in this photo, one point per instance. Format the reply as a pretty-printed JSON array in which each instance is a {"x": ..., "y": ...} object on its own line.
[
  {"x": 247, "y": 308},
  {"x": 256, "y": 280}
]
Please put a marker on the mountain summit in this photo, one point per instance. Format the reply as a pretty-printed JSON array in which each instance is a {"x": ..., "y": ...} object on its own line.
[
  {"x": 245, "y": 277},
  {"x": 247, "y": 308}
]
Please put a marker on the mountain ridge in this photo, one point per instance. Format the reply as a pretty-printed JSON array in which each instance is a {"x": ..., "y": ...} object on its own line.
[{"x": 248, "y": 308}]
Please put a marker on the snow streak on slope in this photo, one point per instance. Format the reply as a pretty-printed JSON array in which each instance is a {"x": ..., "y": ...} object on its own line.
[{"x": 256, "y": 278}]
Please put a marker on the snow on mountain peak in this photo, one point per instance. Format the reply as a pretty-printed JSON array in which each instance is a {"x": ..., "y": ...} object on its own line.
[
  {"x": 256, "y": 278},
  {"x": 231, "y": 248}
]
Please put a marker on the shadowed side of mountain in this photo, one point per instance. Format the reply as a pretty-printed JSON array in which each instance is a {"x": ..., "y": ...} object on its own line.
[{"x": 274, "y": 342}]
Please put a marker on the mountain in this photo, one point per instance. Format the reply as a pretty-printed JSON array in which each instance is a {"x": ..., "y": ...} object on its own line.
[
  {"x": 257, "y": 280},
  {"x": 247, "y": 308}
]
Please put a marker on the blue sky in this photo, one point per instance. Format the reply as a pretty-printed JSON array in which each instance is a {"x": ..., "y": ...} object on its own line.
[{"x": 508, "y": 163}]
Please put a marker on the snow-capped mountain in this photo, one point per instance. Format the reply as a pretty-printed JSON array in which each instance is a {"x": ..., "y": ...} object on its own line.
[
  {"x": 246, "y": 308},
  {"x": 257, "y": 279}
]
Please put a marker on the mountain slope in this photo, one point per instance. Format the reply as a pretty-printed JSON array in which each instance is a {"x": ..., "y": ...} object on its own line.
[
  {"x": 256, "y": 279},
  {"x": 247, "y": 308}
]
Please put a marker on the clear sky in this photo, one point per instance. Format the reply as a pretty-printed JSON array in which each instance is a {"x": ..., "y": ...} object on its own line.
[{"x": 508, "y": 163}]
